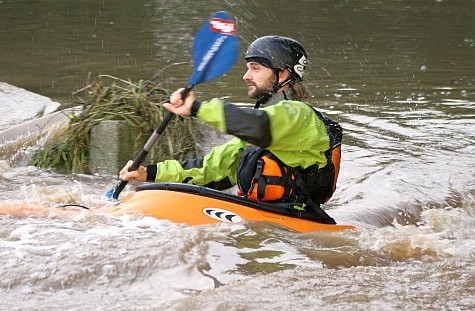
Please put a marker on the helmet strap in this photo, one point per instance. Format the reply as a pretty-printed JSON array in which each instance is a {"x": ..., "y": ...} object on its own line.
[{"x": 277, "y": 86}]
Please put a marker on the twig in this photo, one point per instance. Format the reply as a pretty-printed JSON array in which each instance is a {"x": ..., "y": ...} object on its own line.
[
  {"x": 80, "y": 90},
  {"x": 165, "y": 68},
  {"x": 118, "y": 79}
]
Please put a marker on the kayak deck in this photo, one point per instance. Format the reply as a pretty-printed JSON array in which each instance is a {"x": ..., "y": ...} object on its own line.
[{"x": 198, "y": 205}]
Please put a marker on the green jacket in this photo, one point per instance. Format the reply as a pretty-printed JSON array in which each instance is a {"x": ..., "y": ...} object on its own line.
[{"x": 290, "y": 129}]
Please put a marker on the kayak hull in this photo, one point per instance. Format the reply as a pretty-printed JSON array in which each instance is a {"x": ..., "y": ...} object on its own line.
[{"x": 196, "y": 205}]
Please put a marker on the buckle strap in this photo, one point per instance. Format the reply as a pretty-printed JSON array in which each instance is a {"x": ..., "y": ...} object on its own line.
[{"x": 259, "y": 169}]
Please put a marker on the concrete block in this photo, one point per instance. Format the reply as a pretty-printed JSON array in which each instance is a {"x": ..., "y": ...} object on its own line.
[{"x": 112, "y": 144}]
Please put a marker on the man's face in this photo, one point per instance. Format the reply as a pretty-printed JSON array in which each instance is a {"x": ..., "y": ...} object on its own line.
[{"x": 259, "y": 79}]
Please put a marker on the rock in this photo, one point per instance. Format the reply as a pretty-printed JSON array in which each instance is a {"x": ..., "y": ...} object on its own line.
[{"x": 18, "y": 105}]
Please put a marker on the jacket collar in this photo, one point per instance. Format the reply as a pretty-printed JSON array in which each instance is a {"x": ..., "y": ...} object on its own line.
[{"x": 280, "y": 96}]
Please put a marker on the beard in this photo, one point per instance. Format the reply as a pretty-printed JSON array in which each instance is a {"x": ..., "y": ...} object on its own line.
[{"x": 256, "y": 92}]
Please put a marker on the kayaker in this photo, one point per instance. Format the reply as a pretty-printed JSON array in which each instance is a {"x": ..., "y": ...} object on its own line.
[{"x": 283, "y": 152}]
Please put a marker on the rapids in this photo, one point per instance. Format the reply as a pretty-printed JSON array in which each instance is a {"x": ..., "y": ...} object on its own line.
[{"x": 399, "y": 77}]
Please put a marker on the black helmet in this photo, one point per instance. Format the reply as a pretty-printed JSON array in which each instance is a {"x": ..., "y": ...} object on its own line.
[{"x": 278, "y": 53}]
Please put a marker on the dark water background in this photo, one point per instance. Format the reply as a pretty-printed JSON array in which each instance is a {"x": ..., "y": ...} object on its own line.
[{"x": 398, "y": 75}]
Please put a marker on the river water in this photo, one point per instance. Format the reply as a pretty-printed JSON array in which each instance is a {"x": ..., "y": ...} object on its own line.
[{"x": 398, "y": 75}]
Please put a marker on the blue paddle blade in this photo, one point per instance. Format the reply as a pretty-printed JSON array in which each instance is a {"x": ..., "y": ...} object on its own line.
[
  {"x": 215, "y": 48},
  {"x": 110, "y": 194}
]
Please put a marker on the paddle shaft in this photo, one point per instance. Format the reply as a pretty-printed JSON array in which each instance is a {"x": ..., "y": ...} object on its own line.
[
  {"x": 215, "y": 50},
  {"x": 149, "y": 144}
]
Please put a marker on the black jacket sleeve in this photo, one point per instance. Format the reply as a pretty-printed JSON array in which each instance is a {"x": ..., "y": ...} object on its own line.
[{"x": 251, "y": 125}]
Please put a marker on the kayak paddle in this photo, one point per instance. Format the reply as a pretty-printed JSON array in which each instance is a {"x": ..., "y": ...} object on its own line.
[{"x": 215, "y": 50}]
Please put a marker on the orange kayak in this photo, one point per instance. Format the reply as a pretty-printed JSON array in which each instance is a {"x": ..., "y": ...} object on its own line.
[{"x": 197, "y": 205}]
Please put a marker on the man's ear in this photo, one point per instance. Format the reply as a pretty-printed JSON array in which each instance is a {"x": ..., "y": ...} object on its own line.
[{"x": 284, "y": 75}]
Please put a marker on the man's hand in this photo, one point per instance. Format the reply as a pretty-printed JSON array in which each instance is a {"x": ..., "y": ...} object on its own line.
[
  {"x": 179, "y": 106},
  {"x": 139, "y": 175}
]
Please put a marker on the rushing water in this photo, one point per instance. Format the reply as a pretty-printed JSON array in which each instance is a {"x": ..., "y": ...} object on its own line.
[{"x": 398, "y": 75}]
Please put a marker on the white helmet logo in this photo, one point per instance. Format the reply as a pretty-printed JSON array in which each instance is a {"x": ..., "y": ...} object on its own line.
[{"x": 300, "y": 67}]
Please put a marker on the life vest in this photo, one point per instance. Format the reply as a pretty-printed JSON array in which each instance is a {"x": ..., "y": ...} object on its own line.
[
  {"x": 320, "y": 183},
  {"x": 263, "y": 177}
]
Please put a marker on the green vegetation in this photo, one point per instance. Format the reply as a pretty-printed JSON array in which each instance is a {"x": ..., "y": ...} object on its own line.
[{"x": 139, "y": 104}]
